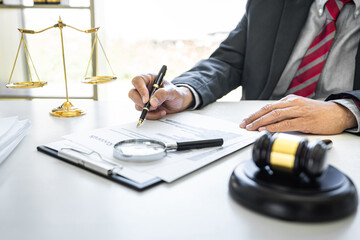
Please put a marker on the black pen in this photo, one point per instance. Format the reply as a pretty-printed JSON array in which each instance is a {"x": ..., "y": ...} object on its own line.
[{"x": 157, "y": 83}]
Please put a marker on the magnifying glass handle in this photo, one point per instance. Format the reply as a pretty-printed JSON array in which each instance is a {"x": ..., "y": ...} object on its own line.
[{"x": 199, "y": 144}]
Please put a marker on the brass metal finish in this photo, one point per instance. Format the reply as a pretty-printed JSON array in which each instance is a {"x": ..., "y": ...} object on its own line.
[
  {"x": 53, "y": 1},
  {"x": 26, "y": 84},
  {"x": 92, "y": 30},
  {"x": 282, "y": 161},
  {"x": 26, "y": 31},
  {"x": 27, "y": 57},
  {"x": 97, "y": 79},
  {"x": 140, "y": 122},
  {"x": 66, "y": 109},
  {"x": 283, "y": 152}
]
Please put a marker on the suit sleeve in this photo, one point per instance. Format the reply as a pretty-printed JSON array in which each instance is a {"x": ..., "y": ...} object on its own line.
[
  {"x": 354, "y": 95},
  {"x": 222, "y": 71},
  {"x": 354, "y": 98}
]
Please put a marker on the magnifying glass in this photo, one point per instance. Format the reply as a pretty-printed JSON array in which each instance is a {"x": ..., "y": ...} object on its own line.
[{"x": 146, "y": 150}]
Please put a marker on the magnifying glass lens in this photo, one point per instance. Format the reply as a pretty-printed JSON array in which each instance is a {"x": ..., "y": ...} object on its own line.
[
  {"x": 139, "y": 150},
  {"x": 145, "y": 150}
]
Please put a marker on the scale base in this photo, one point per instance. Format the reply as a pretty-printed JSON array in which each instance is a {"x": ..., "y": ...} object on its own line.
[
  {"x": 66, "y": 110},
  {"x": 329, "y": 197}
]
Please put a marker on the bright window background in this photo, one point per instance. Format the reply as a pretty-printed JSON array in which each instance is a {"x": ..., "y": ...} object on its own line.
[{"x": 138, "y": 36}]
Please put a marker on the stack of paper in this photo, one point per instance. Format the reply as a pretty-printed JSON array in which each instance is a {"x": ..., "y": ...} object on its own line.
[
  {"x": 12, "y": 131},
  {"x": 185, "y": 126}
]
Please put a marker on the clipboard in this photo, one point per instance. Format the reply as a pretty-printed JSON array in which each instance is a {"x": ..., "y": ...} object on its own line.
[
  {"x": 113, "y": 177},
  {"x": 94, "y": 150}
]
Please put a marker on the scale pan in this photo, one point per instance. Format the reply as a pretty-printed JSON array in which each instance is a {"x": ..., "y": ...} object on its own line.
[
  {"x": 98, "y": 79},
  {"x": 26, "y": 84}
]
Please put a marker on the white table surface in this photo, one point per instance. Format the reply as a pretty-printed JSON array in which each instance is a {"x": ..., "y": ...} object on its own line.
[{"x": 44, "y": 198}]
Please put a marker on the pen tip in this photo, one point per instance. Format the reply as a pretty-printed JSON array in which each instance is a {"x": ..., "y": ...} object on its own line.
[{"x": 139, "y": 123}]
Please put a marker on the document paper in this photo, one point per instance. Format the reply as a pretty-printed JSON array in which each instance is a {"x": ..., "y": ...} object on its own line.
[
  {"x": 184, "y": 126},
  {"x": 12, "y": 131}
]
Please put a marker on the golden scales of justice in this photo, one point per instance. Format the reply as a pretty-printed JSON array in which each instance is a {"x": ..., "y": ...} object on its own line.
[{"x": 66, "y": 109}]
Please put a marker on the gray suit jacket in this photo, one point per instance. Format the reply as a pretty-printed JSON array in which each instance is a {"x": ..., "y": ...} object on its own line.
[{"x": 255, "y": 53}]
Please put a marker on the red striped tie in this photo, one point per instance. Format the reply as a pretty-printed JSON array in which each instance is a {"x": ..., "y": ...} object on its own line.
[{"x": 308, "y": 73}]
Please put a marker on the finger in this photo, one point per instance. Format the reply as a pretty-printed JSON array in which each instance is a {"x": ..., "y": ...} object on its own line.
[
  {"x": 160, "y": 96},
  {"x": 274, "y": 116},
  {"x": 289, "y": 97},
  {"x": 156, "y": 114},
  {"x": 140, "y": 83},
  {"x": 284, "y": 126},
  {"x": 138, "y": 107},
  {"x": 168, "y": 93},
  {"x": 134, "y": 95},
  {"x": 141, "y": 107},
  {"x": 264, "y": 110}
]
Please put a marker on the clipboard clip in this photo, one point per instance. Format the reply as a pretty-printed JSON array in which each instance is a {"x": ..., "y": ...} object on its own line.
[{"x": 91, "y": 161}]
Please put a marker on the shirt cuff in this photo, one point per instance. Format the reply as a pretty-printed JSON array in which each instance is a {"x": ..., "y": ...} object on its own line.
[
  {"x": 194, "y": 93},
  {"x": 349, "y": 104}
]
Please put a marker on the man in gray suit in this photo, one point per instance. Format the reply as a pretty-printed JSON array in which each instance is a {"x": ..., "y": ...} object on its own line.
[{"x": 293, "y": 51}]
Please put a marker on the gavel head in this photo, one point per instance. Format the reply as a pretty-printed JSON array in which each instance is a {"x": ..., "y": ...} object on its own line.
[{"x": 290, "y": 154}]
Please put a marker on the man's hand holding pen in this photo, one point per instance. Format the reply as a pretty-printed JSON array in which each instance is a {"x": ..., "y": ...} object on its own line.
[
  {"x": 172, "y": 99},
  {"x": 166, "y": 100}
]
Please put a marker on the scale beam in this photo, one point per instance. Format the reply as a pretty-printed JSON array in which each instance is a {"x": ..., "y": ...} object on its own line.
[{"x": 66, "y": 109}]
